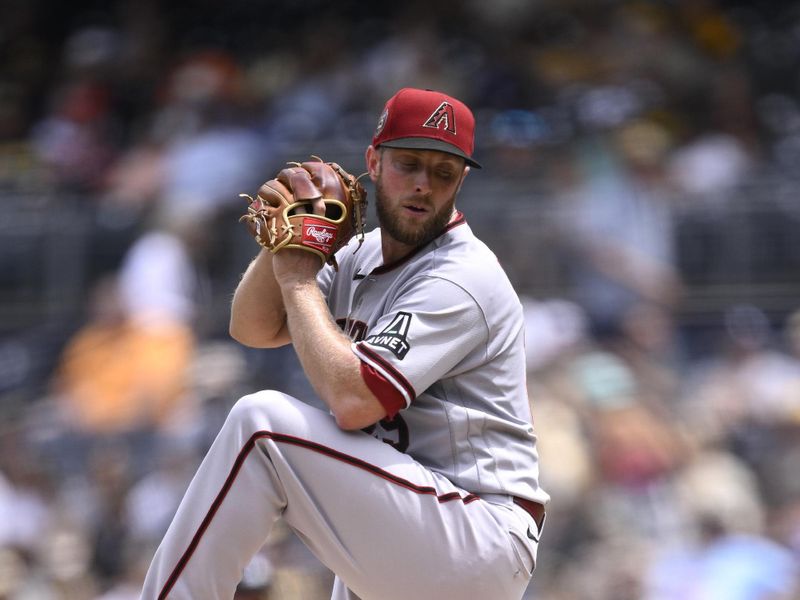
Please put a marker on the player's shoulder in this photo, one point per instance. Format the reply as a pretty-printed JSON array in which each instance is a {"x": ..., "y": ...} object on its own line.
[
  {"x": 461, "y": 252},
  {"x": 461, "y": 257}
]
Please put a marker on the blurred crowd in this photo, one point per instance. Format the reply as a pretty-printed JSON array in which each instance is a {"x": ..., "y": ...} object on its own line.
[{"x": 641, "y": 174}]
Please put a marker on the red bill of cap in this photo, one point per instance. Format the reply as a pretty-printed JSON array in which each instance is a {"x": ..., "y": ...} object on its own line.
[{"x": 427, "y": 120}]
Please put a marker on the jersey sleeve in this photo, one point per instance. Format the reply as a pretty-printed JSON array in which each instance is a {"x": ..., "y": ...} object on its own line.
[{"x": 426, "y": 332}]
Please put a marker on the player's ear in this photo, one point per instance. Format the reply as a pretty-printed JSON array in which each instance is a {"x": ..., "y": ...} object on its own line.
[{"x": 373, "y": 159}]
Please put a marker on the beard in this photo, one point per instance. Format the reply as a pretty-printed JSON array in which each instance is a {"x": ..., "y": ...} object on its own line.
[{"x": 414, "y": 234}]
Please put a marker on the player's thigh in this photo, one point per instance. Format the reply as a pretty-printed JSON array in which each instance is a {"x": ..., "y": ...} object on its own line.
[{"x": 374, "y": 515}]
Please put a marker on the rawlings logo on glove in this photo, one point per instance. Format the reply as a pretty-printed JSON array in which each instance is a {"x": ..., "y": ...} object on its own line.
[
  {"x": 314, "y": 206},
  {"x": 318, "y": 235}
]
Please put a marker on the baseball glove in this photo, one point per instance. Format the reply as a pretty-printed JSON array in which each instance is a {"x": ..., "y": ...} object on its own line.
[{"x": 315, "y": 206}]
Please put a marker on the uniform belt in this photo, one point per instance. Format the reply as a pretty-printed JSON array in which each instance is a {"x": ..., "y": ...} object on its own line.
[{"x": 534, "y": 509}]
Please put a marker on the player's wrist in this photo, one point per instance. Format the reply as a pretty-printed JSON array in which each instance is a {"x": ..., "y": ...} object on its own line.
[
  {"x": 297, "y": 281},
  {"x": 295, "y": 266}
]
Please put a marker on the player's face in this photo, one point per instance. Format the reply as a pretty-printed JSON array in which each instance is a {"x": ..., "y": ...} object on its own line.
[{"x": 415, "y": 192}]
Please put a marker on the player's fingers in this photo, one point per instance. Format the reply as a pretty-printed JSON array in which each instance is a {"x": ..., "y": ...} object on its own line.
[
  {"x": 274, "y": 193},
  {"x": 326, "y": 179},
  {"x": 298, "y": 180}
]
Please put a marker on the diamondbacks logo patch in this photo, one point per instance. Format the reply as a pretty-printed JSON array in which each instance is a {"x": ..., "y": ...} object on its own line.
[
  {"x": 382, "y": 121},
  {"x": 442, "y": 118},
  {"x": 393, "y": 337}
]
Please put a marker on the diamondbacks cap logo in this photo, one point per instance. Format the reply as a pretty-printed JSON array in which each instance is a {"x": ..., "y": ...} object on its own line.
[
  {"x": 393, "y": 337},
  {"x": 442, "y": 118}
]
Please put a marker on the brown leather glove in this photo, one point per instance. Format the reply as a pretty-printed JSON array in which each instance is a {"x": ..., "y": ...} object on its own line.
[{"x": 315, "y": 206}]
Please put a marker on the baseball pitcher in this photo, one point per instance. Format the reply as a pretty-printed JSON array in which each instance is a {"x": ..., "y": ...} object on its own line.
[{"x": 421, "y": 480}]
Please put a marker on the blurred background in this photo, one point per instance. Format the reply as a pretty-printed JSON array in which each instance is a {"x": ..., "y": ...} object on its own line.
[{"x": 640, "y": 187}]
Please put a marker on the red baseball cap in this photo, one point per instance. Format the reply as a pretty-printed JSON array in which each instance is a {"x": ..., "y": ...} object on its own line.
[{"x": 427, "y": 120}]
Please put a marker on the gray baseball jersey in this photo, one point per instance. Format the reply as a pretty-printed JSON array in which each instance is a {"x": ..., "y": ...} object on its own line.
[{"x": 441, "y": 334}]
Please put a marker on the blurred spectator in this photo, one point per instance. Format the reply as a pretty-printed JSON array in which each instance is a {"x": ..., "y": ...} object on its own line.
[
  {"x": 633, "y": 447},
  {"x": 119, "y": 374},
  {"x": 748, "y": 381},
  {"x": 197, "y": 150},
  {"x": 159, "y": 278},
  {"x": 552, "y": 327},
  {"x": 209, "y": 154},
  {"x": 709, "y": 168},
  {"x": 646, "y": 339},
  {"x": 412, "y": 56},
  {"x": 717, "y": 485},
  {"x": 23, "y": 515},
  {"x": 135, "y": 180},
  {"x": 13, "y": 571},
  {"x": 618, "y": 226},
  {"x": 151, "y": 502},
  {"x": 728, "y": 558},
  {"x": 62, "y": 567},
  {"x": 76, "y": 139},
  {"x": 24, "y": 491},
  {"x": 109, "y": 533},
  {"x": 725, "y": 566},
  {"x": 219, "y": 373},
  {"x": 122, "y": 374}
]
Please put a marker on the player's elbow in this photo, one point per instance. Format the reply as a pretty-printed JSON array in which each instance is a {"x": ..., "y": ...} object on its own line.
[
  {"x": 352, "y": 421},
  {"x": 357, "y": 413},
  {"x": 246, "y": 336},
  {"x": 255, "y": 337}
]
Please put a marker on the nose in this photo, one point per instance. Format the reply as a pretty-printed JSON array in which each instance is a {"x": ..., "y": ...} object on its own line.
[{"x": 422, "y": 184}]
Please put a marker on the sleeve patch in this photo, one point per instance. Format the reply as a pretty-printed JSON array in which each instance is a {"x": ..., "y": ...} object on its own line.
[{"x": 394, "y": 337}]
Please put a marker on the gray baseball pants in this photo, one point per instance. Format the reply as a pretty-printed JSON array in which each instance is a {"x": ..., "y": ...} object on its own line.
[{"x": 389, "y": 528}]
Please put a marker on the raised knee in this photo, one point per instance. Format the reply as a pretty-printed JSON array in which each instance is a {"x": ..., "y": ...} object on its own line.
[
  {"x": 257, "y": 403},
  {"x": 265, "y": 410}
]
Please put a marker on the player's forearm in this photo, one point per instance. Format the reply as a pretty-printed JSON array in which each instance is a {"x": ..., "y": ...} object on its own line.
[
  {"x": 258, "y": 317},
  {"x": 325, "y": 354}
]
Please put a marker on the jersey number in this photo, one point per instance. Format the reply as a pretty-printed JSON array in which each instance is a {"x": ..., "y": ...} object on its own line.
[{"x": 397, "y": 424}]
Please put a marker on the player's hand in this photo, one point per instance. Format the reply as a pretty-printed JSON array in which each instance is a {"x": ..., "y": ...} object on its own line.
[
  {"x": 292, "y": 265},
  {"x": 313, "y": 206},
  {"x": 295, "y": 266}
]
